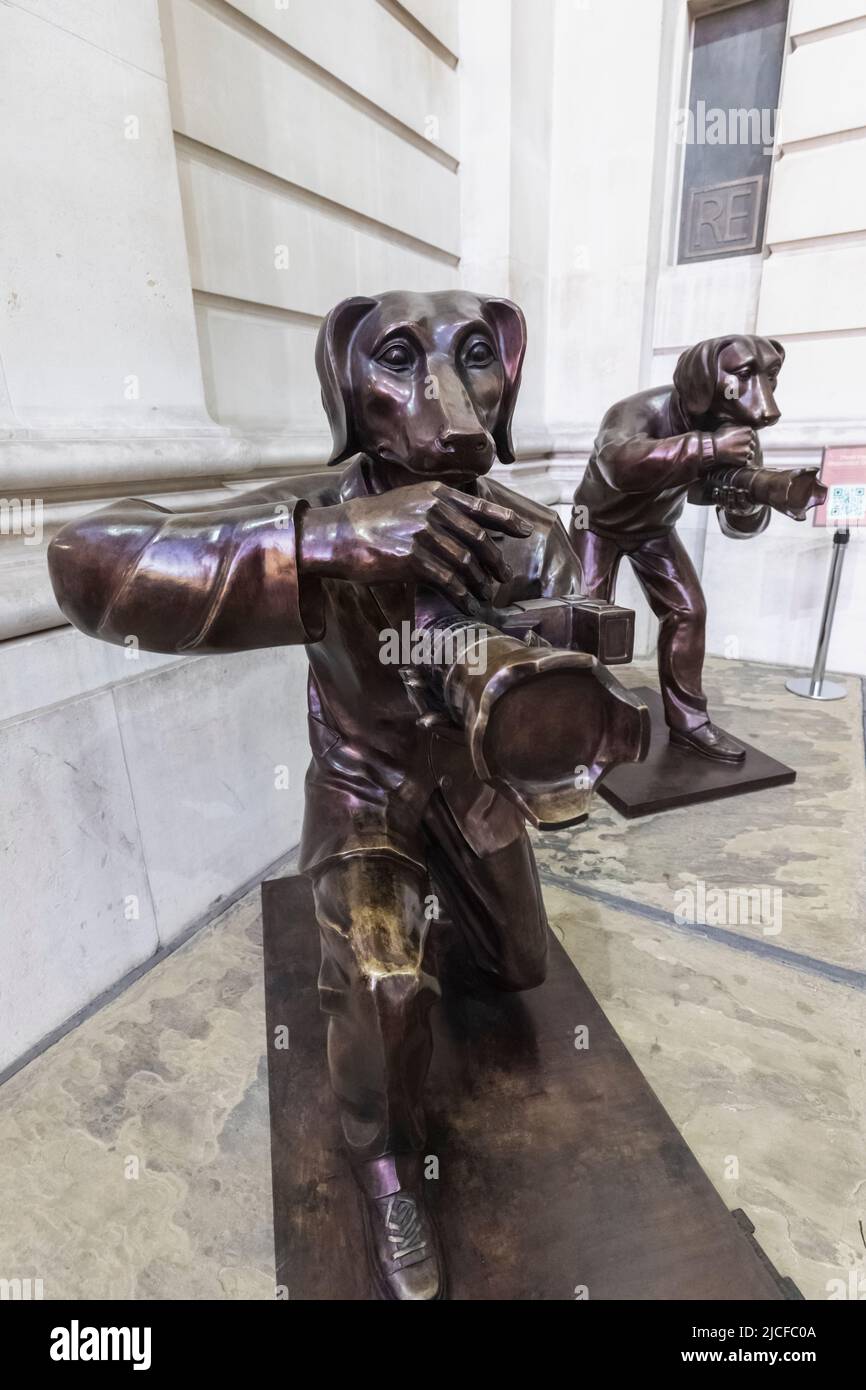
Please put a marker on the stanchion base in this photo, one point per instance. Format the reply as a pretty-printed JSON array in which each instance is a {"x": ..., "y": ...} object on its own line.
[{"x": 824, "y": 690}]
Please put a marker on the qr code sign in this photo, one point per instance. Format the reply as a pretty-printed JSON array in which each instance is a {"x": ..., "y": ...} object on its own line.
[{"x": 847, "y": 502}]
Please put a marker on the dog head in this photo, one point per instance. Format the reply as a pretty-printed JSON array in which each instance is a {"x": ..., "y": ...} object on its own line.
[
  {"x": 426, "y": 383},
  {"x": 731, "y": 380}
]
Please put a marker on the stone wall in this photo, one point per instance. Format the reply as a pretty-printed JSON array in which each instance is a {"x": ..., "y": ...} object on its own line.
[{"x": 196, "y": 183}]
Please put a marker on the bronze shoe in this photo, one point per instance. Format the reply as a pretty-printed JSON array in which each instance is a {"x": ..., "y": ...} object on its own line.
[
  {"x": 402, "y": 1244},
  {"x": 710, "y": 741}
]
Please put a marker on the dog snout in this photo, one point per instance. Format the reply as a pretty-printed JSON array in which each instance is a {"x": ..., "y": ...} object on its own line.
[
  {"x": 766, "y": 410},
  {"x": 454, "y": 441}
]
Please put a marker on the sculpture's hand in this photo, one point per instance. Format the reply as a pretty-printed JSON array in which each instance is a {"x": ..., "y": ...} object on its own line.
[
  {"x": 736, "y": 445},
  {"x": 425, "y": 534}
]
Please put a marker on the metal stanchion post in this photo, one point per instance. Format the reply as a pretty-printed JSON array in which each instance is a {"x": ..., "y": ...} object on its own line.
[{"x": 815, "y": 687}]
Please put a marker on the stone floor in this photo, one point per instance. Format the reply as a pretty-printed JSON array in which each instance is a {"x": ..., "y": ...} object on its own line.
[{"x": 134, "y": 1153}]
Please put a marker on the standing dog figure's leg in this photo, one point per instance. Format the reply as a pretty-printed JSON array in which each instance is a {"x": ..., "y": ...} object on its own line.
[
  {"x": 673, "y": 590},
  {"x": 599, "y": 558}
]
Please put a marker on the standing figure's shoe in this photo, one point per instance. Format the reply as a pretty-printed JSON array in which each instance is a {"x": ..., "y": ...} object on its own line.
[
  {"x": 402, "y": 1244},
  {"x": 711, "y": 742}
]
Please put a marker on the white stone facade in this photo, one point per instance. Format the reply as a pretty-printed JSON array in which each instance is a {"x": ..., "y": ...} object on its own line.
[{"x": 191, "y": 185}]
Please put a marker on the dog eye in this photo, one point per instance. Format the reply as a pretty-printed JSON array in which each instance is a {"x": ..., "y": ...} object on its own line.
[
  {"x": 479, "y": 354},
  {"x": 397, "y": 356}
]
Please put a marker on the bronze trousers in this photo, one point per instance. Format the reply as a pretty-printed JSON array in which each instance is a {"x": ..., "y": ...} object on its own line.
[
  {"x": 673, "y": 590},
  {"x": 377, "y": 980}
]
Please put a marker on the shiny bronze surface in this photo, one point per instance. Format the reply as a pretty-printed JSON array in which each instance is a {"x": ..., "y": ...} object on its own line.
[
  {"x": 671, "y": 776},
  {"x": 548, "y": 1169},
  {"x": 488, "y": 679},
  {"x": 412, "y": 814},
  {"x": 697, "y": 440}
]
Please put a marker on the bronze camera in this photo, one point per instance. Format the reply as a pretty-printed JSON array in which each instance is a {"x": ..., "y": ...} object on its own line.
[
  {"x": 528, "y": 689},
  {"x": 792, "y": 491}
]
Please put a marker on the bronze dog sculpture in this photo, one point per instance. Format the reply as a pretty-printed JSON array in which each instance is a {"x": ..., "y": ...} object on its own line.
[
  {"x": 693, "y": 440},
  {"x": 419, "y": 391}
]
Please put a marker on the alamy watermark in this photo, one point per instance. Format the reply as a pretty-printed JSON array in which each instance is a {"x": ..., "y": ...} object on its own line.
[
  {"x": 22, "y": 516},
  {"x": 699, "y": 904},
  {"x": 21, "y": 1290},
  {"x": 434, "y": 646},
  {"x": 77, "y": 1343},
  {"x": 713, "y": 125}
]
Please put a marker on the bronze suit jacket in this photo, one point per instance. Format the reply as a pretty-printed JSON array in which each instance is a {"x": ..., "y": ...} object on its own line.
[
  {"x": 647, "y": 460},
  {"x": 227, "y": 580}
]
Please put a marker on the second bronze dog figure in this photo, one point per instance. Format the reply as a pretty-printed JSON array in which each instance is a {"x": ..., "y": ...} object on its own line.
[
  {"x": 403, "y": 805},
  {"x": 695, "y": 440}
]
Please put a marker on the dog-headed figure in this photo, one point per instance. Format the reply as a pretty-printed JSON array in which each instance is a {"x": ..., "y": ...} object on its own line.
[
  {"x": 419, "y": 391},
  {"x": 695, "y": 440}
]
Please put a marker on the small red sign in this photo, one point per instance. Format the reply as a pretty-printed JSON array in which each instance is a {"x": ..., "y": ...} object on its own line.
[{"x": 843, "y": 473}]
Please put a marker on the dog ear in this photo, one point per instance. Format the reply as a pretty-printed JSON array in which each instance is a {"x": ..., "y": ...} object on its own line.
[
  {"x": 332, "y": 364},
  {"x": 777, "y": 347},
  {"x": 509, "y": 327},
  {"x": 695, "y": 375}
]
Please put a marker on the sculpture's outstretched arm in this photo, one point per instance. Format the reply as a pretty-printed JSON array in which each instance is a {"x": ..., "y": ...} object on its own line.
[
  {"x": 250, "y": 574},
  {"x": 221, "y": 580},
  {"x": 639, "y": 463}
]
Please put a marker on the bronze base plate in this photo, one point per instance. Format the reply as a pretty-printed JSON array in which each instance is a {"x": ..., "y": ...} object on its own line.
[
  {"x": 670, "y": 777},
  {"x": 559, "y": 1170}
]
